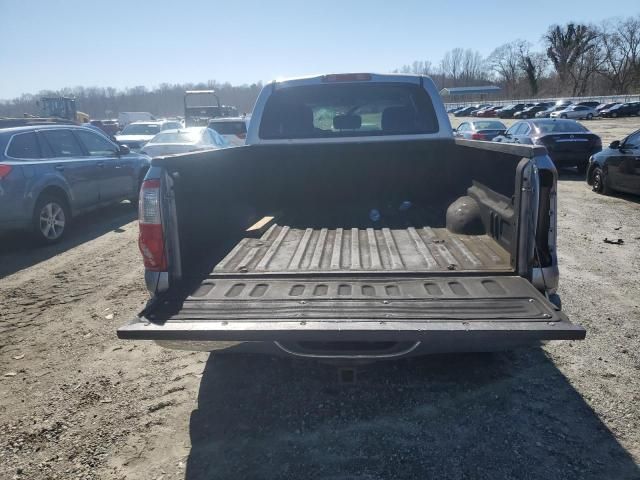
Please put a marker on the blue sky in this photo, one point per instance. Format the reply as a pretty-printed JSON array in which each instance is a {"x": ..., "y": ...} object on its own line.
[{"x": 54, "y": 44}]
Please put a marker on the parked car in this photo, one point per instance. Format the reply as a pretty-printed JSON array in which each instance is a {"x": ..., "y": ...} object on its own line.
[
  {"x": 125, "y": 118},
  {"x": 510, "y": 110},
  {"x": 530, "y": 112},
  {"x": 464, "y": 112},
  {"x": 563, "y": 103},
  {"x": 589, "y": 103},
  {"x": 489, "y": 112},
  {"x": 622, "y": 110},
  {"x": 49, "y": 174},
  {"x": 547, "y": 113},
  {"x": 617, "y": 168},
  {"x": 453, "y": 109},
  {"x": 606, "y": 106},
  {"x": 184, "y": 140},
  {"x": 336, "y": 266},
  {"x": 137, "y": 134},
  {"x": 480, "y": 130},
  {"x": 479, "y": 109},
  {"x": 233, "y": 129},
  {"x": 576, "y": 112},
  {"x": 568, "y": 142},
  {"x": 110, "y": 127}
]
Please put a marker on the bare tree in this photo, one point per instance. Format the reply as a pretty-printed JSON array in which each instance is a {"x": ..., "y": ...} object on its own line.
[
  {"x": 505, "y": 62},
  {"x": 568, "y": 47},
  {"x": 621, "y": 53},
  {"x": 451, "y": 65},
  {"x": 473, "y": 67},
  {"x": 533, "y": 65}
]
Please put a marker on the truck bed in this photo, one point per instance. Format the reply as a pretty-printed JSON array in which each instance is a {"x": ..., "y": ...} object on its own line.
[
  {"x": 443, "y": 276},
  {"x": 282, "y": 249}
]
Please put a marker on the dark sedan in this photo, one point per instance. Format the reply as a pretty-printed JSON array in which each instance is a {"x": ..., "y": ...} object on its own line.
[
  {"x": 480, "y": 130},
  {"x": 605, "y": 106},
  {"x": 568, "y": 142},
  {"x": 623, "y": 110},
  {"x": 617, "y": 167},
  {"x": 466, "y": 111},
  {"x": 510, "y": 110},
  {"x": 530, "y": 112}
]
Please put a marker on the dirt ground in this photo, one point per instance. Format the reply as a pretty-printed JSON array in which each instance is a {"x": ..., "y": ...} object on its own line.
[{"x": 76, "y": 402}]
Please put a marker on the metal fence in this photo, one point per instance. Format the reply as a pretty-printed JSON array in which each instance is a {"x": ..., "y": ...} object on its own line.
[{"x": 601, "y": 99}]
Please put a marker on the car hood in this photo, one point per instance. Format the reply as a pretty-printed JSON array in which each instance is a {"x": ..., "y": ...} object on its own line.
[
  {"x": 605, "y": 152},
  {"x": 134, "y": 138}
]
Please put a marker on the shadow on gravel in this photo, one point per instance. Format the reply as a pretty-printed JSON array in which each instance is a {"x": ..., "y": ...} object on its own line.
[
  {"x": 507, "y": 416},
  {"x": 570, "y": 174},
  {"x": 19, "y": 251}
]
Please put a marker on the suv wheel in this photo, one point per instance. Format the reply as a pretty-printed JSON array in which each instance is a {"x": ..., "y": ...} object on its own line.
[
  {"x": 563, "y": 116},
  {"x": 50, "y": 219},
  {"x": 589, "y": 116}
]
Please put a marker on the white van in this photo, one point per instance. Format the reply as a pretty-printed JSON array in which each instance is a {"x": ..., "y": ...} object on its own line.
[{"x": 125, "y": 118}]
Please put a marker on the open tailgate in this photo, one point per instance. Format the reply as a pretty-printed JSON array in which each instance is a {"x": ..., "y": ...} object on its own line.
[{"x": 437, "y": 309}]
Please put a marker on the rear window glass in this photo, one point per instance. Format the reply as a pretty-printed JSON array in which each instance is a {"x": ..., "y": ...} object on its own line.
[
  {"x": 187, "y": 136},
  {"x": 229, "y": 128},
  {"x": 489, "y": 125},
  {"x": 24, "y": 145},
  {"x": 560, "y": 126},
  {"x": 348, "y": 110},
  {"x": 141, "y": 129}
]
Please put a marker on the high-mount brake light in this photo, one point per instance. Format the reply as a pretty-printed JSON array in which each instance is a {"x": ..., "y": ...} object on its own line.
[
  {"x": 151, "y": 239},
  {"x": 347, "y": 77}
]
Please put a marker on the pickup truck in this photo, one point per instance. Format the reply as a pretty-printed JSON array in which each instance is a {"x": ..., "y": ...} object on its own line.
[{"x": 351, "y": 226}]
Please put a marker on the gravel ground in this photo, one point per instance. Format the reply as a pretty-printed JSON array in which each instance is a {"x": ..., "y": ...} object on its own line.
[{"x": 75, "y": 402}]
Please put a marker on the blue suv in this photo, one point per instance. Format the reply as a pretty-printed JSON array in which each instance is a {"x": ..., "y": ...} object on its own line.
[{"x": 50, "y": 173}]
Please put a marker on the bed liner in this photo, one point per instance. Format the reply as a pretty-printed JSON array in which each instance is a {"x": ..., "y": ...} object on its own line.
[{"x": 283, "y": 249}]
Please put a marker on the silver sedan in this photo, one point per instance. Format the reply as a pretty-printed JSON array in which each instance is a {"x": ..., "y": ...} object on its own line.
[{"x": 576, "y": 112}]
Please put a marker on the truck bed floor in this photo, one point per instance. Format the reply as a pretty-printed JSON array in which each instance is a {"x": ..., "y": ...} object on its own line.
[{"x": 282, "y": 249}]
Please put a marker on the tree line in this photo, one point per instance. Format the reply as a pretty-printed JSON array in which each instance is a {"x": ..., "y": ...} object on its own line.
[
  {"x": 575, "y": 60},
  {"x": 164, "y": 100}
]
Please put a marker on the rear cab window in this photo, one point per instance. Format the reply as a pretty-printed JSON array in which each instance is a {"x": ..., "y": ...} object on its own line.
[
  {"x": 24, "y": 146},
  {"x": 348, "y": 110}
]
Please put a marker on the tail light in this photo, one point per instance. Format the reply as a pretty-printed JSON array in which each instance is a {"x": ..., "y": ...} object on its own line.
[
  {"x": 478, "y": 136},
  {"x": 151, "y": 240},
  {"x": 4, "y": 170}
]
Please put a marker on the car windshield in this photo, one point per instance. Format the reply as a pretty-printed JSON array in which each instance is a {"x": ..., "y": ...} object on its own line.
[
  {"x": 348, "y": 110},
  {"x": 141, "y": 129},
  {"x": 560, "y": 126},
  {"x": 489, "y": 125},
  {"x": 178, "y": 136}
]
